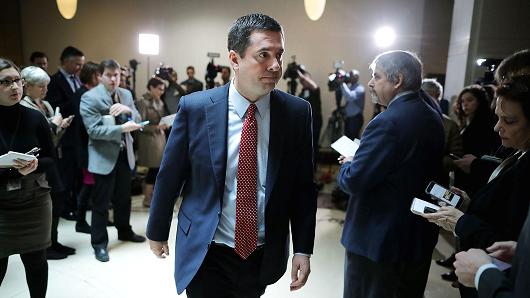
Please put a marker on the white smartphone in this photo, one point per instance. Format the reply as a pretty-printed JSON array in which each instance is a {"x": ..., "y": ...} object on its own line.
[
  {"x": 443, "y": 194},
  {"x": 420, "y": 207}
]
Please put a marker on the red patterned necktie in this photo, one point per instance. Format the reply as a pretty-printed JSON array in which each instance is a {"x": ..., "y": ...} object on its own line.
[{"x": 246, "y": 230}]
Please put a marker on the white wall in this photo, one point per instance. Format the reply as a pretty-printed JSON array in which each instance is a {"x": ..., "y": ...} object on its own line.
[{"x": 190, "y": 29}]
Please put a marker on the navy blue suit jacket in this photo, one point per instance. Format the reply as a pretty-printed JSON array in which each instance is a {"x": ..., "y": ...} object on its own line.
[
  {"x": 194, "y": 165},
  {"x": 400, "y": 152}
]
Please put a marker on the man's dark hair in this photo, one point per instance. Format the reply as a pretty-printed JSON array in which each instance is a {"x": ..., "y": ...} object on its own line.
[
  {"x": 190, "y": 67},
  {"x": 70, "y": 51},
  {"x": 240, "y": 31},
  {"x": 87, "y": 72},
  {"x": 36, "y": 55},
  {"x": 109, "y": 63}
]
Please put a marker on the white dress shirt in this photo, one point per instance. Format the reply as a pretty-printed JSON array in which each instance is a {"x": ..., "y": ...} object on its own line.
[{"x": 237, "y": 107}]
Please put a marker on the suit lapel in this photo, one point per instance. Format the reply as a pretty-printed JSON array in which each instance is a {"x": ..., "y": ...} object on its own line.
[
  {"x": 216, "y": 120},
  {"x": 276, "y": 140},
  {"x": 104, "y": 95},
  {"x": 65, "y": 85}
]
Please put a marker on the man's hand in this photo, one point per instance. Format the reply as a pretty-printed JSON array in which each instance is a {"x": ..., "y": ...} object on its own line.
[
  {"x": 25, "y": 167},
  {"x": 162, "y": 127},
  {"x": 446, "y": 217},
  {"x": 130, "y": 126},
  {"x": 503, "y": 251},
  {"x": 344, "y": 159},
  {"x": 467, "y": 264},
  {"x": 67, "y": 121},
  {"x": 57, "y": 119},
  {"x": 117, "y": 109},
  {"x": 159, "y": 248},
  {"x": 299, "y": 272}
]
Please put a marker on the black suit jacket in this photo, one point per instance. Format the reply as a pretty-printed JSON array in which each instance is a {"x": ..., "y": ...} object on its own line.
[
  {"x": 498, "y": 210},
  {"x": 496, "y": 284},
  {"x": 60, "y": 95}
]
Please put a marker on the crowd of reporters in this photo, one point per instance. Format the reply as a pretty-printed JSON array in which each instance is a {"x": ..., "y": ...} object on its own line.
[{"x": 490, "y": 177}]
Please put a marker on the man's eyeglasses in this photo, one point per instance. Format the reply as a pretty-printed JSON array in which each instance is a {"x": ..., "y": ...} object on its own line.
[{"x": 8, "y": 83}]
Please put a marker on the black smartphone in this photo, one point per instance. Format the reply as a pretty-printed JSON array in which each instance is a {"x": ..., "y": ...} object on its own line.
[
  {"x": 429, "y": 210},
  {"x": 33, "y": 151},
  {"x": 443, "y": 194}
]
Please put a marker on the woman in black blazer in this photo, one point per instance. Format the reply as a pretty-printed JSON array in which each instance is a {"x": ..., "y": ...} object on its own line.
[
  {"x": 498, "y": 210},
  {"x": 476, "y": 121}
]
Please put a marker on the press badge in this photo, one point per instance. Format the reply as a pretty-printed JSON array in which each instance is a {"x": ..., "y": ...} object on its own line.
[{"x": 13, "y": 184}]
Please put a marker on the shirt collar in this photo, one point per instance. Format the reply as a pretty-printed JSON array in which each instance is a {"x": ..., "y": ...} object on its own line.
[
  {"x": 67, "y": 75},
  {"x": 241, "y": 104},
  {"x": 400, "y": 94}
]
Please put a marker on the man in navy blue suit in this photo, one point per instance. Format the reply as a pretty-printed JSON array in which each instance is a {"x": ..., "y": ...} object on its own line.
[
  {"x": 241, "y": 157},
  {"x": 388, "y": 248}
]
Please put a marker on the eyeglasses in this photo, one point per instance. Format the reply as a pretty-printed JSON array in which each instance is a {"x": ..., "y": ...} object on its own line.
[{"x": 8, "y": 83}]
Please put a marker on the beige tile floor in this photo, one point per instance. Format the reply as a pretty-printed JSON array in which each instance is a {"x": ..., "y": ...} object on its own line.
[{"x": 134, "y": 272}]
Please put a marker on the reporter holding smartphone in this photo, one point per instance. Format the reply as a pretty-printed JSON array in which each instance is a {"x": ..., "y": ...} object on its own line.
[
  {"x": 152, "y": 138},
  {"x": 498, "y": 210},
  {"x": 35, "y": 89},
  {"x": 25, "y": 205},
  {"x": 110, "y": 155}
]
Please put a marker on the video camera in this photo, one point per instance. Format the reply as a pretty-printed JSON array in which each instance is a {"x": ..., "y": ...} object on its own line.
[
  {"x": 211, "y": 70},
  {"x": 291, "y": 73},
  {"x": 164, "y": 72},
  {"x": 340, "y": 73}
]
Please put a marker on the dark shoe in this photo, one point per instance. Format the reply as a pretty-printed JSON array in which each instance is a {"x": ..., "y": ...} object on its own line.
[
  {"x": 69, "y": 215},
  {"x": 449, "y": 276},
  {"x": 102, "y": 254},
  {"x": 448, "y": 263},
  {"x": 82, "y": 227},
  {"x": 63, "y": 249},
  {"x": 52, "y": 254},
  {"x": 131, "y": 236}
]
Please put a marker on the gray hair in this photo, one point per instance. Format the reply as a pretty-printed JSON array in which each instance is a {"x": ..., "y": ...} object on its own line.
[
  {"x": 35, "y": 75},
  {"x": 432, "y": 86},
  {"x": 406, "y": 63}
]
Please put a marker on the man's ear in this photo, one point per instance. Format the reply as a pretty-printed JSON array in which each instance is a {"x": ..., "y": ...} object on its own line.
[
  {"x": 234, "y": 58},
  {"x": 399, "y": 83}
]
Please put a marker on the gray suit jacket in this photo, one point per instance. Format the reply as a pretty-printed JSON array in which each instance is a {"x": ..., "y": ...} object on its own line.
[{"x": 104, "y": 140}]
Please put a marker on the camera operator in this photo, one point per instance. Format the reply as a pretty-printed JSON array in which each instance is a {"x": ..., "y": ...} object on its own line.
[
  {"x": 353, "y": 94},
  {"x": 125, "y": 80},
  {"x": 192, "y": 84},
  {"x": 174, "y": 92},
  {"x": 225, "y": 76},
  {"x": 311, "y": 93}
]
